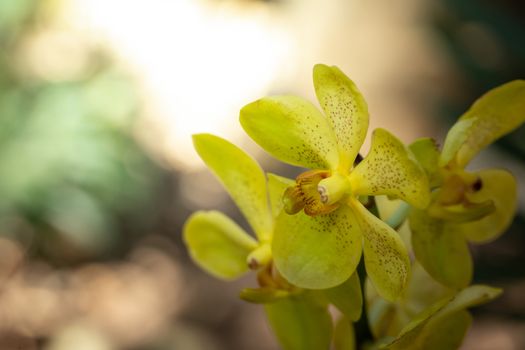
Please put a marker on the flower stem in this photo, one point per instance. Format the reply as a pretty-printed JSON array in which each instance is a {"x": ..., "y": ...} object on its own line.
[{"x": 399, "y": 216}]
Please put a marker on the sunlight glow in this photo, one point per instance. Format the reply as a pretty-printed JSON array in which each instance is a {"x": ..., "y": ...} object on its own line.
[{"x": 199, "y": 61}]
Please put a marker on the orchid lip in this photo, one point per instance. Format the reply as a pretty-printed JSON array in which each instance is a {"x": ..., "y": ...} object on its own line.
[{"x": 317, "y": 192}]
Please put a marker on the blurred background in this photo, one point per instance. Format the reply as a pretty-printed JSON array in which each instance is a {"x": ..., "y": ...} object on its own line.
[{"x": 98, "y": 101}]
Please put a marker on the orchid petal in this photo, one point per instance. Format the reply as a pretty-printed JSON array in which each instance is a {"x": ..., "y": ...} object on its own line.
[
  {"x": 317, "y": 252},
  {"x": 241, "y": 176},
  {"x": 427, "y": 154},
  {"x": 492, "y": 116},
  {"x": 386, "y": 258},
  {"x": 441, "y": 250},
  {"x": 217, "y": 244},
  {"x": 391, "y": 169},
  {"x": 277, "y": 185},
  {"x": 346, "y": 110},
  {"x": 291, "y": 129},
  {"x": 498, "y": 186}
]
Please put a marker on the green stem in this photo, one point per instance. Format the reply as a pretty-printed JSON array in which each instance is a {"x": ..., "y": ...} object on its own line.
[
  {"x": 363, "y": 333},
  {"x": 399, "y": 216}
]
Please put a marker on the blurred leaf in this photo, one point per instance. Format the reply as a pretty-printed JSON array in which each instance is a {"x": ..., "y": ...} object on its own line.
[
  {"x": 344, "y": 335},
  {"x": 67, "y": 168},
  {"x": 13, "y": 13},
  {"x": 441, "y": 250},
  {"x": 384, "y": 318},
  {"x": 300, "y": 322},
  {"x": 447, "y": 332},
  {"x": 413, "y": 335},
  {"x": 347, "y": 297},
  {"x": 78, "y": 219},
  {"x": 387, "y": 319}
]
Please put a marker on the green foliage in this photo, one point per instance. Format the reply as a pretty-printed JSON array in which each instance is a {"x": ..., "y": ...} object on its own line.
[
  {"x": 347, "y": 297},
  {"x": 442, "y": 251},
  {"x": 71, "y": 169},
  {"x": 344, "y": 335},
  {"x": 300, "y": 322},
  {"x": 419, "y": 332},
  {"x": 314, "y": 230}
]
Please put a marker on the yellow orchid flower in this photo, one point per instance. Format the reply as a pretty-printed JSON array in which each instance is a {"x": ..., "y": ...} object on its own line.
[
  {"x": 321, "y": 246},
  {"x": 466, "y": 206},
  {"x": 216, "y": 242},
  {"x": 223, "y": 249}
]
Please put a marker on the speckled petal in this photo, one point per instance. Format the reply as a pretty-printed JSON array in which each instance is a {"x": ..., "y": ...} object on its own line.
[
  {"x": 500, "y": 187},
  {"x": 317, "y": 252},
  {"x": 241, "y": 176},
  {"x": 217, "y": 244},
  {"x": 441, "y": 249},
  {"x": 346, "y": 110},
  {"x": 391, "y": 169},
  {"x": 427, "y": 154},
  {"x": 291, "y": 129},
  {"x": 386, "y": 258},
  {"x": 493, "y": 115}
]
